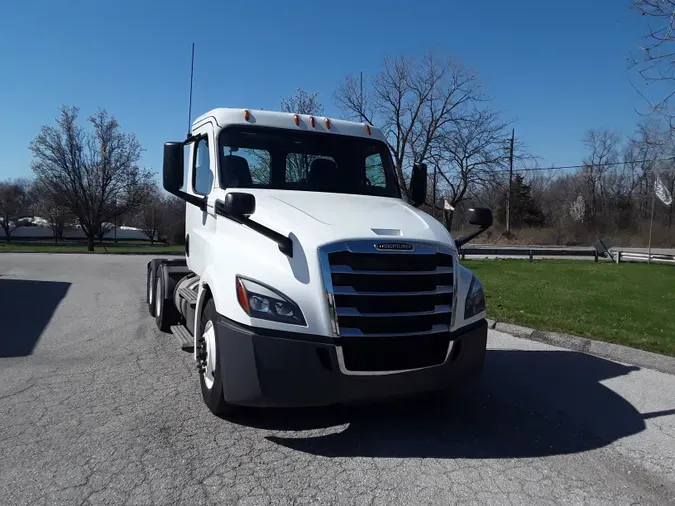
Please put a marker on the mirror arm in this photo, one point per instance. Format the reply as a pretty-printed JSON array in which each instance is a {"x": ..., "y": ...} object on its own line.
[
  {"x": 200, "y": 202},
  {"x": 191, "y": 138},
  {"x": 461, "y": 241},
  {"x": 285, "y": 243}
]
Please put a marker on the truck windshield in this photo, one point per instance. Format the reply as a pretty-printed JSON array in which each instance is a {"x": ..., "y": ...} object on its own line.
[{"x": 262, "y": 157}]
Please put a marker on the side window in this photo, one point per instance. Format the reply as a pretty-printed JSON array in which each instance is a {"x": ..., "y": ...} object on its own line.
[
  {"x": 375, "y": 171},
  {"x": 202, "y": 178}
]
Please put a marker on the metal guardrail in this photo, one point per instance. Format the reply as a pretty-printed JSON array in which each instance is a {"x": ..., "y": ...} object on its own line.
[
  {"x": 644, "y": 257},
  {"x": 532, "y": 253}
]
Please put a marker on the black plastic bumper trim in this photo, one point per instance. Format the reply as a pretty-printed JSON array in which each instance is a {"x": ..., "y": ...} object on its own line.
[
  {"x": 314, "y": 338},
  {"x": 275, "y": 371}
]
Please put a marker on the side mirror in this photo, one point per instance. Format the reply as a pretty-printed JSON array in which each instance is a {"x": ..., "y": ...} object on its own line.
[
  {"x": 172, "y": 174},
  {"x": 481, "y": 216},
  {"x": 173, "y": 166},
  {"x": 239, "y": 205},
  {"x": 418, "y": 184}
]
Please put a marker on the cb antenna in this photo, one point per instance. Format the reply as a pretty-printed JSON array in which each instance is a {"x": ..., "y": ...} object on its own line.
[{"x": 192, "y": 71}]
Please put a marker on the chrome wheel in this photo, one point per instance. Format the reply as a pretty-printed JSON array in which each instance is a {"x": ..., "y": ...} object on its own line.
[
  {"x": 158, "y": 298},
  {"x": 207, "y": 354}
]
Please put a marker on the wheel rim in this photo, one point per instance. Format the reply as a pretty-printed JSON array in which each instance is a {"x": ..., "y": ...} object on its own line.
[
  {"x": 158, "y": 299},
  {"x": 209, "y": 337}
]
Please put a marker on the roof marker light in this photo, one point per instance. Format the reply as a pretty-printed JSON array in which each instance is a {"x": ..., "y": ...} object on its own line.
[
  {"x": 311, "y": 121},
  {"x": 368, "y": 129},
  {"x": 246, "y": 114},
  {"x": 327, "y": 123},
  {"x": 296, "y": 119}
]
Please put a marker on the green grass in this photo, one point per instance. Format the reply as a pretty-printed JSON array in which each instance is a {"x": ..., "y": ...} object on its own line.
[
  {"x": 82, "y": 248},
  {"x": 629, "y": 304}
]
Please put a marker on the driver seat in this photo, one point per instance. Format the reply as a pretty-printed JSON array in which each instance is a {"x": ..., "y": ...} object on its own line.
[
  {"x": 236, "y": 172},
  {"x": 323, "y": 173}
]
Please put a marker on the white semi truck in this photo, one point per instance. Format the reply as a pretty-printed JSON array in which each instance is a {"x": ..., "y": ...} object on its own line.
[{"x": 307, "y": 278}]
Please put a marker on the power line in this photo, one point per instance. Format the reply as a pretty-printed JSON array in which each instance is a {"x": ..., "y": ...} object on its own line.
[{"x": 567, "y": 167}]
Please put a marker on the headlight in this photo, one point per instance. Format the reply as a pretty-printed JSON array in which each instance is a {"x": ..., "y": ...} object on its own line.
[
  {"x": 475, "y": 300},
  {"x": 261, "y": 301}
]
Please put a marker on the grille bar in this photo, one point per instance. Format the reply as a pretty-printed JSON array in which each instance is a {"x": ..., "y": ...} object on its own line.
[
  {"x": 436, "y": 329},
  {"x": 348, "y": 290},
  {"x": 352, "y": 311},
  {"x": 346, "y": 269}
]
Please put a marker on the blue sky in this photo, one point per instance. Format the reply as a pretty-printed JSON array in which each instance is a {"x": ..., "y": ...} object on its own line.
[{"x": 557, "y": 67}]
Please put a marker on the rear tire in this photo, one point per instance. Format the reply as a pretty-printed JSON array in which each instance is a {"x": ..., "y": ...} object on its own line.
[
  {"x": 151, "y": 283},
  {"x": 148, "y": 290},
  {"x": 166, "y": 313},
  {"x": 211, "y": 384}
]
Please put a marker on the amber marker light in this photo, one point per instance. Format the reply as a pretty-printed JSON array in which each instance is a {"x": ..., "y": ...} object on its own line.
[{"x": 242, "y": 296}]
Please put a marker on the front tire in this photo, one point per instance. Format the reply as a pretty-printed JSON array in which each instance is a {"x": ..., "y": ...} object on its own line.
[{"x": 210, "y": 365}]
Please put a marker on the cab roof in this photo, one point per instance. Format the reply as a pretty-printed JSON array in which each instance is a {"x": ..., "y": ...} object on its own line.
[{"x": 224, "y": 116}]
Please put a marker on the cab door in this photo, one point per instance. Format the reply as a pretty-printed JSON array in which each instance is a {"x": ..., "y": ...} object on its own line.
[{"x": 201, "y": 225}]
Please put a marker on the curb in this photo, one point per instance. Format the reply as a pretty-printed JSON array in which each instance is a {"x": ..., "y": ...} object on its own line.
[{"x": 616, "y": 352}]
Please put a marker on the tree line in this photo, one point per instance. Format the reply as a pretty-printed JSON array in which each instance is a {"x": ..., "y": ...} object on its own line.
[
  {"x": 158, "y": 216},
  {"x": 89, "y": 178},
  {"x": 611, "y": 192}
]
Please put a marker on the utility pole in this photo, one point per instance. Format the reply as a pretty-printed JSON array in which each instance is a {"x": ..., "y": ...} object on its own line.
[
  {"x": 361, "y": 95},
  {"x": 433, "y": 209},
  {"x": 115, "y": 213},
  {"x": 508, "y": 195}
]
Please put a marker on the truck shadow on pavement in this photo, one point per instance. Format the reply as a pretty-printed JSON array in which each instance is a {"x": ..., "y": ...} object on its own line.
[
  {"x": 26, "y": 307},
  {"x": 526, "y": 404}
]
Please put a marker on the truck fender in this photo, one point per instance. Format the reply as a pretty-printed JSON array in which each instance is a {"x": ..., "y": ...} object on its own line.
[
  {"x": 206, "y": 281},
  {"x": 220, "y": 282}
]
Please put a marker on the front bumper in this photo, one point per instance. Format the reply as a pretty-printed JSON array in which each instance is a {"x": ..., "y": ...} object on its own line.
[{"x": 268, "y": 368}]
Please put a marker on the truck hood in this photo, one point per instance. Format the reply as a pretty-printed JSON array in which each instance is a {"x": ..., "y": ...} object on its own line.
[{"x": 316, "y": 217}]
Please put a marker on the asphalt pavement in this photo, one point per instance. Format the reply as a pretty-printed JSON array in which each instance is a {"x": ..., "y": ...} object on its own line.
[{"x": 99, "y": 407}]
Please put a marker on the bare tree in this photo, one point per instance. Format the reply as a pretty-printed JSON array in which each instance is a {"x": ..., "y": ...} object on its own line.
[
  {"x": 56, "y": 214},
  {"x": 303, "y": 103},
  {"x": 655, "y": 61},
  {"x": 465, "y": 152},
  {"x": 602, "y": 158},
  {"x": 13, "y": 205},
  {"x": 470, "y": 155},
  {"x": 411, "y": 100},
  {"x": 297, "y": 165},
  {"x": 152, "y": 215},
  {"x": 94, "y": 174},
  {"x": 173, "y": 226}
]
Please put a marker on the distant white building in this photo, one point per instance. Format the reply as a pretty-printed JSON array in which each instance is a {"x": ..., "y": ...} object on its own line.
[{"x": 39, "y": 227}]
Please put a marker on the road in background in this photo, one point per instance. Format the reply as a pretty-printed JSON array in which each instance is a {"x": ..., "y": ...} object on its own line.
[{"x": 98, "y": 407}]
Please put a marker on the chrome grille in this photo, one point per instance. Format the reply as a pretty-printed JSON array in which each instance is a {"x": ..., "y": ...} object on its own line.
[{"x": 392, "y": 309}]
